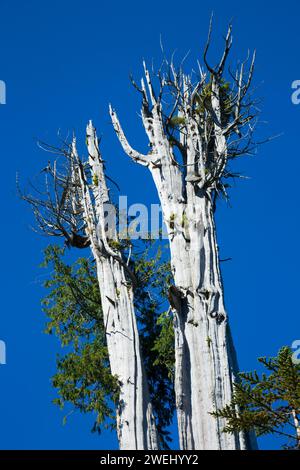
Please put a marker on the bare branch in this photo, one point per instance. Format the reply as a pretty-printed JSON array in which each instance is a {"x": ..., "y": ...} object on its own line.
[{"x": 136, "y": 156}]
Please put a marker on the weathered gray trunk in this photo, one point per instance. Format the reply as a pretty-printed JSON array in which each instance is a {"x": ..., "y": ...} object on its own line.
[
  {"x": 297, "y": 427},
  {"x": 204, "y": 370},
  {"x": 136, "y": 427},
  {"x": 204, "y": 362},
  {"x": 135, "y": 422}
]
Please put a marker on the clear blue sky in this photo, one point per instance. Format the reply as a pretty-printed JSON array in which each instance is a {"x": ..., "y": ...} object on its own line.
[{"x": 63, "y": 61}]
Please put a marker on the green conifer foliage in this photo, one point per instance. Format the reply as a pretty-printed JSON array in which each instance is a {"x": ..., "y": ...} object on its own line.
[
  {"x": 269, "y": 403},
  {"x": 73, "y": 307}
]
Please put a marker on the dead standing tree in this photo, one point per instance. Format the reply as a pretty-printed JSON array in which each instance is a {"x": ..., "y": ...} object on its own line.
[
  {"x": 73, "y": 206},
  {"x": 195, "y": 127}
]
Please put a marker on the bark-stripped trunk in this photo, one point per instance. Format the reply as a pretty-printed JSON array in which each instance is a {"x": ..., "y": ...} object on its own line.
[
  {"x": 135, "y": 422},
  {"x": 136, "y": 427},
  {"x": 297, "y": 427},
  {"x": 205, "y": 359},
  {"x": 204, "y": 366}
]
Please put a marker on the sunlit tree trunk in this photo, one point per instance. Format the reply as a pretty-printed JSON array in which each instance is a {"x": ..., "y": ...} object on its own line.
[
  {"x": 135, "y": 421},
  {"x": 187, "y": 167},
  {"x": 73, "y": 206}
]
